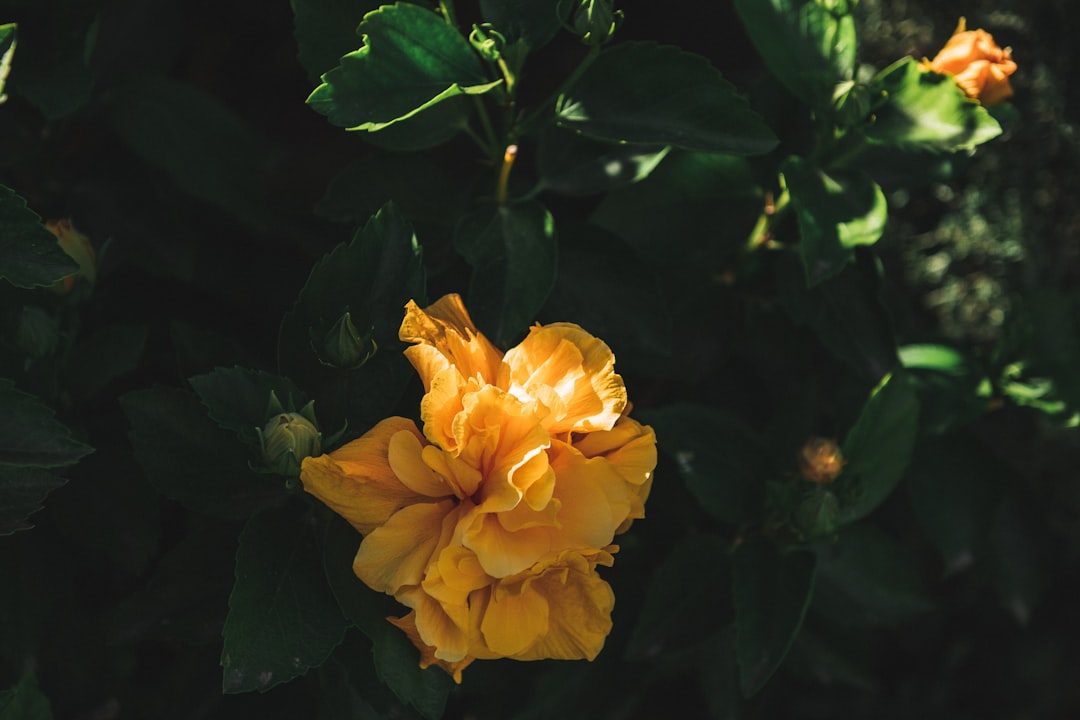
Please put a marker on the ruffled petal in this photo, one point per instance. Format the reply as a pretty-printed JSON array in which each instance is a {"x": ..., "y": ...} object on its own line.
[
  {"x": 405, "y": 455},
  {"x": 571, "y": 373},
  {"x": 356, "y": 480},
  {"x": 397, "y": 553},
  {"x": 514, "y": 620},
  {"x": 407, "y": 625},
  {"x": 499, "y": 551},
  {"x": 446, "y": 326}
]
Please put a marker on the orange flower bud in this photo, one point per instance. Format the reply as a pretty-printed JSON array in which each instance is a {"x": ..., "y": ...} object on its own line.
[
  {"x": 78, "y": 248},
  {"x": 820, "y": 460},
  {"x": 978, "y": 65}
]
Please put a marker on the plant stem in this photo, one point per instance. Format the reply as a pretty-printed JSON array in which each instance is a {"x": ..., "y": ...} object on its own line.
[
  {"x": 594, "y": 52},
  {"x": 447, "y": 9},
  {"x": 485, "y": 147},
  {"x": 504, "y": 174},
  {"x": 492, "y": 143},
  {"x": 774, "y": 210}
]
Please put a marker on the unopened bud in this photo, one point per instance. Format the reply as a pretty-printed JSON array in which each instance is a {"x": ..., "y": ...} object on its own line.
[
  {"x": 487, "y": 41},
  {"x": 595, "y": 21},
  {"x": 288, "y": 438},
  {"x": 78, "y": 248},
  {"x": 344, "y": 347},
  {"x": 820, "y": 460}
]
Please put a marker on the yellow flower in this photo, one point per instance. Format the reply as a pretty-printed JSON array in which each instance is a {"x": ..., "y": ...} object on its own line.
[
  {"x": 820, "y": 460},
  {"x": 489, "y": 524},
  {"x": 978, "y": 65}
]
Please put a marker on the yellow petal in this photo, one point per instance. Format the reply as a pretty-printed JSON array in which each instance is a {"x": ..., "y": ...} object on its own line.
[
  {"x": 442, "y": 627},
  {"x": 407, "y": 625},
  {"x": 514, "y": 620},
  {"x": 458, "y": 474},
  {"x": 595, "y": 499},
  {"x": 405, "y": 455},
  {"x": 501, "y": 552},
  {"x": 357, "y": 482},
  {"x": 397, "y": 553},
  {"x": 446, "y": 326},
  {"x": 579, "y": 607},
  {"x": 569, "y": 371}
]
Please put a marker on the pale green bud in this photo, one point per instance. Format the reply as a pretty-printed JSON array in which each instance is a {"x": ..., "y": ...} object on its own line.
[{"x": 288, "y": 438}]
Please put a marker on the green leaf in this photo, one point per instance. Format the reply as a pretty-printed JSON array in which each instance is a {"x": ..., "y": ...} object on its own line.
[
  {"x": 30, "y": 256},
  {"x": 595, "y": 268},
  {"x": 365, "y": 608},
  {"x": 108, "y": 354},
  {"x": 955, "y": 487},
  {"x": 642, "y": 92},
  {"x": 7, "y": 51},
  {"x": 200, "y": 350},
  {"x": 326, "y": 30},
  {"x": 536, "y": 22},
  {"x": 868, "y": 578},
  {"x": 25, "y": 701},
  {"x": 570, "y": 164},
  {"x": 397, "y": 662},
  {"x": 426, "y": 129},
  {"x": 514, "y": 256},
  {"x": 772, "y": 591},
  {"x": 809, "y": 45},
  {"x": 188, "y": 458},
  {"x": 29, "y": 436},
  {"x": 22, "y": 492},
  {"x": 283, "y": 619},
  {"x": 238, "y": 398},
  {"x": 411, "y": 60},
  {"x": 946, "y": 385},
  {"x": 845, "y": 313},
  {"x": 878, "y": 447},
  {"x": 837, "y": 211},
  {"x": 928, "y": 356},
  {"x": 662, "y": 216},
  {"x": 1020, "y": 556},
  {"x": 687, "y": 598},
  {"x": 425, "y": 190},
  {"x": 372, "y": 277},
  {"x": 923, "y": 109},
  {"x": 204, "y": 147},
  {"x": 721, "y": 459}
]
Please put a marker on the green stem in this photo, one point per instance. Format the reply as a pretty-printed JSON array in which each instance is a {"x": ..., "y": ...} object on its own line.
[
  {"x": 447, "y": 9},
  {"x": 489, "y": 130},
  {"x": 485, "y": 147},
  {"x": 773, "y": 212},
  {"x": 531, "y": 118}
]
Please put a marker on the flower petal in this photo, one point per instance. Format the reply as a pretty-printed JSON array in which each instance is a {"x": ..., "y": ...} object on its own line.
[
  {"x": 356, "y": 480},
  {"x": 405, "y": 455},
  {"x": 446, "y": 326},
  {"x": 397, "y": 553},
  {"x": 571, "y": 373},
  {"x": 514, "y": 620},
  {"x": 407, "y": 625}
]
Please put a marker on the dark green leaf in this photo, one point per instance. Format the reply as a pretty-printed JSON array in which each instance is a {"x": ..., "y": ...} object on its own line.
[
  {"x": 536, "y": 22},
  {"x": 837, "y": 211},
  {"x": 7, "y": 50},
  {"x": 595, "y": 268},
  {"x": 772, "y": 591},
  {"x": 946, "y": 385},
  {"x": 1020, "y": 555},
  {"x": 53, "y": 70},
  {"x": 431, "y": 126},
  {"x": 365, "y": 608},
  {"x": 200, "y": 350},
  {"x": 326, "y": 30},
  {"x": 641, "y": 92},
  {"x": 662, "y": 216},
  {"x": 421, "y": 187},
  {"x": 108, "y": 354},
  {"x": 878, "y": 447},
  {"x": 398, "y": 664},
  {"x": 844, "y": 312},
  {"x": 411, "y": 60},
  {"x": 29, "y": 436},
  {"x": 926, "y": 110},
  {"x": 955, "y": 488},
  {"x": 25, "y": 701},
  {"x": 283, "y": 619},
  {"x": 188, "y": 458},
  {"x": 687, "y": 598},
  {"x": 721, "y": 459},
  {"x": 831, "y": 657},
  {"x": 372, "y": 277},
  {"x": 808, "y": 45},
  {"x": 207, "y": 150},
  {"x": 22, "y": 492},
  {"x": 30, "y": 256},
  {"x": 514, "y": 256},
  {"x": 574, "y": 165},
  {"x": 868, "y": 578},
  {"x": 238, "y": 398},
  {"x": 348, "y": 686}
]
